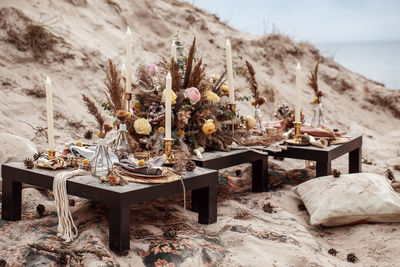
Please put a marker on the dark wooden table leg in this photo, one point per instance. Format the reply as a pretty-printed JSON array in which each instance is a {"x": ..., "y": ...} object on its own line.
[
  {"x": 355, "y": 161},
  {"x": 260, "y": 175},
  {"x": 119, "y": 225},
  {"x": 323, "y": 168},
  {"x": 208, "y": 204},
  {"x": 11, "y": 207},
  {"x": 195, "y": 200}
]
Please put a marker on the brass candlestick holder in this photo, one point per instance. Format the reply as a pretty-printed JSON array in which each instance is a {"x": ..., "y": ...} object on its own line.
[
  {"x": 168, "y": 152},
  {"x": 51, "y": 154},
  {"x": 128, "y": 98},
  {"x": 297, "y": 140},
  {"x": 232, "y": 107}
]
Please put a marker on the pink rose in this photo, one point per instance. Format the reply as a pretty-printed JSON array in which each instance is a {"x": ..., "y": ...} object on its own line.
[
  {"x": 193, "y": 95},
  {"x": 152, "y": 69}
]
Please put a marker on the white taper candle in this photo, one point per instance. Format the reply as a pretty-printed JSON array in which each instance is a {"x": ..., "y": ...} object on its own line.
[
  {"x": 230, "y": 72},
  {"x": 298, "y": 93},
  {"x": 128, "y": 60},
  {"x": 168, "y": 106},
  {"x": 123, "y": 76},
  {"x": 50, "y": 123},
  {"x": 173, "y": 50}
]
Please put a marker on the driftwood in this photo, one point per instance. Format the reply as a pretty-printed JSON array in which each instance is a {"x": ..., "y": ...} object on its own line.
[{"x": 73, "y": 253}]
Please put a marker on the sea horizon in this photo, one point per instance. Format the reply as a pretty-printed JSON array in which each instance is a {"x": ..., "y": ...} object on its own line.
[{"x": 376, "y": 60}]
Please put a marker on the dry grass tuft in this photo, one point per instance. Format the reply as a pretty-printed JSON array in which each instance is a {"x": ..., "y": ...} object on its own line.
[
  {"x": 36, "y": 37},
  {"x": 37, "y": 92}
]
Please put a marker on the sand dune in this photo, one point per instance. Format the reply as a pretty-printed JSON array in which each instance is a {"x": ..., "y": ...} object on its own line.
[{"x": 88, "y": 32}]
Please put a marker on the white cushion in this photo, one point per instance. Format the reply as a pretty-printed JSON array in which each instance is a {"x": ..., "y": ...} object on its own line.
[{"x": 350, "y": 198}]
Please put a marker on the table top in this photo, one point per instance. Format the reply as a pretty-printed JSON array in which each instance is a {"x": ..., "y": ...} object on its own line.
[
  {"x": 41, "y": 177},
  {"x": 222, "y": 159},
  {"x": 311, "y": 152}
]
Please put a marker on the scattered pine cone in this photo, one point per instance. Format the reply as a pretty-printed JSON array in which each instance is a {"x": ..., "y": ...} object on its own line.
[
  {"x": 332, "y": 251},
  {"x": 190, "y": 166},
  {"x": 40, "y": 209},
  {"x": 301, "y": 206},
  {"x": 37, "y": 155},
  {"x": 88, "y": 134},
  {"x": 28, "y": 163},
  {"x": 62, "y": 259},
  {"x": 71, "y": 202},
  {"x": 241, "y": 215},
  {"x": 389, "y": 175},
  {"x": 169, "y": 233},
  {"x": 3, "y": 263},
  {"x": 268, "y": 208},
  {"x": 336, "y": 173},
  {"x": 351, "y": 257},
  {"x": 238, "y": 172},
  {"x": 122, "y": 155}
]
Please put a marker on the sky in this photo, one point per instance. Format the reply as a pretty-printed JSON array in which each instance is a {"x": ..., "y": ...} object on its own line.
[{"x": 315, "y": 21}]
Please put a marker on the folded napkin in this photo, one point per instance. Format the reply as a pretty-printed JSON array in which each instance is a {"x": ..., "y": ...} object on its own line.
[
  {"x": 88, "y": 152},
  {"x": 152, "y": 167}
]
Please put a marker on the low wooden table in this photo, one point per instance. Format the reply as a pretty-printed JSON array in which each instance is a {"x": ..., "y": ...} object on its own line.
[
  {"x": 324, "y": 156},
  {"x": 203, "y": 182},
  {"x": 219, "y": 160}
]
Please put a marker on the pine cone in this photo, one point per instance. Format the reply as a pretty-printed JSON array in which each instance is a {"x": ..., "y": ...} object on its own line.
[
  {"x": 351, "y": 257},
  {"x": 40, "y": 209},
  {"x": 3, "y": 263},
  {"x": 332, "y": 251},
  {"x": 88, "y": 134},
  {"x": 28, "y": 163},
  {"x": 62, "y": 259},
  {"x": 169, "y": 233},
  {"x": 389, "y": 175},
  {"x": 301, "y": 206},
  {"x": 37, "y": 155},
  {"x": 190, "y": 166},
  {"x": 336, "y": 173},
  {"x": 268, "y": 208},
  {"x": 122, "y": 155}
]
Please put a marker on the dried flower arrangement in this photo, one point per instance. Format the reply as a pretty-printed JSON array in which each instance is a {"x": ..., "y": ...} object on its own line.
[
  {"x": 200, "y": 112},
  {"x": 313, "y": 83},
  {"x": 199, "y": 105}
]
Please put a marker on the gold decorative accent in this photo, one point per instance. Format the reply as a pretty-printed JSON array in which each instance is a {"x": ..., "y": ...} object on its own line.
[
  {"x": 232, "y": 107},
  {"x": 51, "y": 154},
  {"x": 168, "y": 151}
]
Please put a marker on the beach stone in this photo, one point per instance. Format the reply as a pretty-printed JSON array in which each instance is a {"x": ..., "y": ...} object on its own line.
[{"x": 15, "y": 148}]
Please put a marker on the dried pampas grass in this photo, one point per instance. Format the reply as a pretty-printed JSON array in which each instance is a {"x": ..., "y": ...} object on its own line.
[
  {"x": 93, "y": 110},
  {"x": 114, "y": 92}
]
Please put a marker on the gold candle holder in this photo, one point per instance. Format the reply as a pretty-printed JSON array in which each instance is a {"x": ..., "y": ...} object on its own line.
[
  {"x": 51, "y": 154},
  {"x": 297, "y": 134},
  {"x": 297, "y": 140},
  {"x": 232, "y": 107},
  {"x": 128, "y": 98},
  {"x": 168, "y": 152}
]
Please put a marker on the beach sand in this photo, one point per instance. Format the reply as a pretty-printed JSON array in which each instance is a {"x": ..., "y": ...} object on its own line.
[{"x": 92, "y": 31}]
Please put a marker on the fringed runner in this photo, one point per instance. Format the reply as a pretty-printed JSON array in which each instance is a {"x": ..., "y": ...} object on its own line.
[{"x": 66, "y": 227}]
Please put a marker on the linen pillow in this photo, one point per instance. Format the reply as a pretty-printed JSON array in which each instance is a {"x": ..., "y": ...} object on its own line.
[{"x": 350, "y": 198}]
